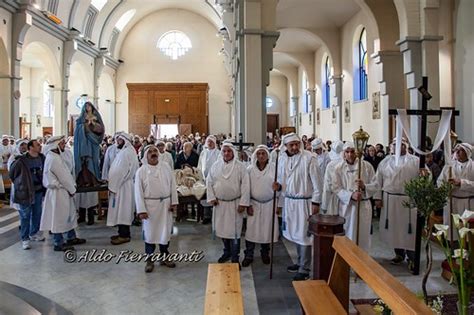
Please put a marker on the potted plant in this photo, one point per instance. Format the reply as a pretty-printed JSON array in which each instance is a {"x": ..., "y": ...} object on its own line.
[
  {"x": 426, "y": 197},
  {"x": 461, "y": 262}
]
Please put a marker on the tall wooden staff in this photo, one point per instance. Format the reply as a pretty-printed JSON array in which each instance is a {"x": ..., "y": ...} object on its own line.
[
  {"x": 273, "y": 214},
  {"x": 360, "y": 138},
  {"x": 454, "y": 137}
]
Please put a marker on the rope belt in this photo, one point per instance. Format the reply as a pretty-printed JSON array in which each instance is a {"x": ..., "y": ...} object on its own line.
[
  {"x": 261, "y": 201},
  {"x": 297, "y": 197},
  {"x": 159, "y": 198},
  {"x": 228, "y": 200}
]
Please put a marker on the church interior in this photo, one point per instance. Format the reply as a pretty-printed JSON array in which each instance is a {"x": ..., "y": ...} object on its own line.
[{"x": 249, "y": 71}]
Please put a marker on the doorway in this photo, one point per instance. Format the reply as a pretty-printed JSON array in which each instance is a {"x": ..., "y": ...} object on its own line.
[{"x": 273, "y": 123}]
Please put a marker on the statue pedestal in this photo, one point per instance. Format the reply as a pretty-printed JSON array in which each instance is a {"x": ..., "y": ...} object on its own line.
[{"x": 324, "y": 228}]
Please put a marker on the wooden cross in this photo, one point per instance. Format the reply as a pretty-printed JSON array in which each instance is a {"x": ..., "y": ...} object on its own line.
[
  {"x": 424, "y": 112},
  {"x": 240, "y": 144}
]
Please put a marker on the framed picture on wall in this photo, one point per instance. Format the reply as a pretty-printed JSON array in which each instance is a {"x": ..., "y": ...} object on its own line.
[
  {"x": 38, "y": 120},
  {"x": 376, "y": 105},
  {"x": 318, "y": 116},
  {"x": 333, "y": 114},
  {"x": 347, "y": 111}
]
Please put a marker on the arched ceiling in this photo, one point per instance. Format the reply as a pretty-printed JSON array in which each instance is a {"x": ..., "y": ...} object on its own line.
[
  {"x": 315, "y": 13},
  {"x": 297, "y": 40}
]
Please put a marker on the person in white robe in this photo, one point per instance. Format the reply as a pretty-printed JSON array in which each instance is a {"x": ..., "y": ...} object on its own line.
[
  {"x": 165, "y": 156},
  {"x": 59, "y": 212},
  {"x": 350, "y": 190},
  {"x": 317, "y": 147},
  {"x": 109, "y": 157},
  {"x": 228, "y": 190},
  {"x": 397, "y": 223},
  {"x": 260, "y": 212},
  {"x": 207, "y": 158},
  {"x": 329, "y": 200},
  {"x": 21, "y": 148},
  {"x": 156, "y": 198},
  {"x": 6, "y": 150},
  {"x": 121, "y": 176},
  {"x": 462, "y": 179},
  {"x": 300, "y": 184}
]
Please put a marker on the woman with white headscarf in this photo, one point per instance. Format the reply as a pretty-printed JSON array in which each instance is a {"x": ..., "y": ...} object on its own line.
[
  {"x": 156, "y": 198},
  {"x": 462, "y": 178},
  {"x": 121, "y": 176},
  {"x": 260, "y": 212},
  {"x": 59, "y": 212},
  {"x": 350, "y": 190},
  {"x": 228, "y": 190}
]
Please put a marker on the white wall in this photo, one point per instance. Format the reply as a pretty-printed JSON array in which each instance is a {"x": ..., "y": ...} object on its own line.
[
  {"x": 464, "y": 69},
  {"x": 5, "y": 56},
  {"x": 277, "y": 90},
  {"x": 143, "y": 62},
  {"x": 361, "y": 111}
]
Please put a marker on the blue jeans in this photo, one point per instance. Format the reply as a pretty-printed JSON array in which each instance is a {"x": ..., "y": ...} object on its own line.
[
  {"x": 58, "y": 239},
  {"x": 150, "y": 248},
  {"x": 30, "y": 217},
  {"x": 232, "y": 249}
]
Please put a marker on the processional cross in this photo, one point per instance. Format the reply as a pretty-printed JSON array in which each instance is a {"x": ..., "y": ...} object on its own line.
[{"x": 424, "y": 112}]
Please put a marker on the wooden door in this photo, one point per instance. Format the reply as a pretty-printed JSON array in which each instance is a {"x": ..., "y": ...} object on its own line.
[
  {"x": 168, "y": 103},
  {"x": 273, "y": 123}
]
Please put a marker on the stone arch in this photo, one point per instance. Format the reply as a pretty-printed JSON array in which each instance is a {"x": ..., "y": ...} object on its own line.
[{"x": 39, "y": 64}]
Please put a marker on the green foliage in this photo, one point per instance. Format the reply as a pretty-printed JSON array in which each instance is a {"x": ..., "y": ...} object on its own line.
[{"x": 425, "y": 195}]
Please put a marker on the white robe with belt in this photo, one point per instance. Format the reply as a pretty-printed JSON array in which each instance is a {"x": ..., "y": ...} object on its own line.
[
  {"x": 463, "y": 196},
  {"x": 329, "y": 200},
  {"x": 301, "y": 185},
  {"x": 344, "y": 186},
  {"x": 228, "y": 183},
  {"x": 59, "y": 211},
  {"x": 155, "y": 192},
  {"x": 121, "y": 175},
  {"x": 109, "y": 158},
  {"x": 259, "y": 225},
  {"x": 323, "y": 161},
  {"x": 397, "y": 223}
]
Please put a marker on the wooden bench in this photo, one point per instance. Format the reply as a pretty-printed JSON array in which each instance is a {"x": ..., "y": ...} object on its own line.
[
  {"x": 319, "y": 297},
  {"x": 223, "y": 292}
]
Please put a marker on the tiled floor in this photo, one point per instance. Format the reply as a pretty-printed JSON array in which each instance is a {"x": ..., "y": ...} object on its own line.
[{"x": 124, "y": 288}]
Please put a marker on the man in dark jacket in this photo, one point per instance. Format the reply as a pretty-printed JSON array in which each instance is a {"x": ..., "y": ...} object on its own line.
[
  {"x": 187, "y": 157},
  {"x": 26, "y": 173}
]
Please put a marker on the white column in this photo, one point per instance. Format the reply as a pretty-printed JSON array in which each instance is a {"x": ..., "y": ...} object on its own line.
[
  {"x": 70, "y": 48},
  {"x": 336, "y": 82}
]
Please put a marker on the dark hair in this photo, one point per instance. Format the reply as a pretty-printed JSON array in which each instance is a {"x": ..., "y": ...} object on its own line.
[{"x": 31, "y": 143}]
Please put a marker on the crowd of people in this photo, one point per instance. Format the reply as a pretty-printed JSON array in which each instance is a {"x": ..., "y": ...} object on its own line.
[{"x": 313, "y": 176}]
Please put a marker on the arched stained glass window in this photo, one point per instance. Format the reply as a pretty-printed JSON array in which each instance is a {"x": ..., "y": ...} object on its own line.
[
  {"x": 174, "y": 44},
  {"x": 269, "y": 102},
  {"x": 326, "y": 88},
  {"x": 362, "y": 71}
]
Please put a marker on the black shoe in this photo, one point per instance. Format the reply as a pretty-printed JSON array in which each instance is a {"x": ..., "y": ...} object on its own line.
[
  {"x": 62, "y": 248},
  {"x": 397, "y": 260},
  {"x": 246, "y": 262},
  {"x": 223, "y": 259},
  {"x": 76, "y": 241},
  {"x": 206, "y": 221},
  {"x": 266, "y": 259},
  {"x": 113, "y": 237},
  {"x": 149, "y": 266},
  {"x": 301, "y": 276},
  {"x": 293, "y": 268}
]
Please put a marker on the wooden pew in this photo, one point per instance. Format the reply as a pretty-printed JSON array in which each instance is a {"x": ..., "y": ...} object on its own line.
[
  {"x": 319, "y": 297},
  {"x": 223, "y": 291}
]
